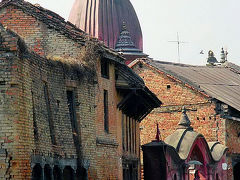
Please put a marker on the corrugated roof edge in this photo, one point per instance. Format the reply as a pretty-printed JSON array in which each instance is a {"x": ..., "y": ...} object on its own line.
[
  {"x": 233, "y": 67},
  {"x": 151, "y": 63}
]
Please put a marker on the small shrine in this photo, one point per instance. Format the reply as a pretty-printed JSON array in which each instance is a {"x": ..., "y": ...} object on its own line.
[{"x": 184, "y": 155}]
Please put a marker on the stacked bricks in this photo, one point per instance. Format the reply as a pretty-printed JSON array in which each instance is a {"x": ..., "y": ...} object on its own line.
[
  {"x": 48, "y": 57},
  {"x": 201, "y": 111}
]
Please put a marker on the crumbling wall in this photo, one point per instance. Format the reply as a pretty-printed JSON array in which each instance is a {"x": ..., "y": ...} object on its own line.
[{"x": 41, "y": 38}]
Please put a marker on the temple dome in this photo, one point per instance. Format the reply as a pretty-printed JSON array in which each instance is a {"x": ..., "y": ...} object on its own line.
[{"x": 103, "y": 19}]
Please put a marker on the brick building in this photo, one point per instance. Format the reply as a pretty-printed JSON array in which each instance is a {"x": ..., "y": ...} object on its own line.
[
  {"x": 210, "y": 95},
  {"x": 69, "y": 107}
]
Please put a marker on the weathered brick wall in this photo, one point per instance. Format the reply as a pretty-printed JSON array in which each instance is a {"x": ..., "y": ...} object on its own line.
[
  {"x": 233, "y": 143},
  {"x": 31, "y": 74},
  {"x": 38, "y": 37},
  {"x": 103, "y": 151},
  {"x": 27, "y": 98},
  {"x": 232, "y": 135},
  {"x": 200, "y": 110},
  {"x": 9, "y": 95},
  {"x": 56, "y": 47},
  {"x": 176, "y": 95},
  {"x": 110, "y": 150}
]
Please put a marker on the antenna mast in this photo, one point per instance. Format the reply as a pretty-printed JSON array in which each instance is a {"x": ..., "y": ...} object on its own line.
[{"x": 178, "y": 43}]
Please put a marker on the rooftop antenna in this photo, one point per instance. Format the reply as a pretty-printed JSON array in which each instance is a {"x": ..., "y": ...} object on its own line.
[{"x": 178, "y": 43}]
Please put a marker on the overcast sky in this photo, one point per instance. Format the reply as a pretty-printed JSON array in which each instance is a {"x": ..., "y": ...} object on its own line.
[{"x": 203, "y": 24}]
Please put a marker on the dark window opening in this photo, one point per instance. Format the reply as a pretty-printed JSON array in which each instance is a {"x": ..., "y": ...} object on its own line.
[
  {"x": 236, "y": 170},
  {"x": 37, "y": 172},
  {"x": 116, "y": 74},
  {"x": 47, "y": 172},
  {"x": 71, "y": 101},
  {"x": 72, "y": 112},
  {"x": 81, "y": 173},
  {"x": 197, "y": 118},
  {"x": 130, "y": 135},
  {"x": 204, "y": 118},
  {"x": 105, "y": 68},
  {"x": 68, "y": 173},
  {"x": 168, "y": 86},
  {"x": 130, "y": 171},
  {"x": 57, "y": 174},
  {"x": 49, "y": 112},
  {"x": 175, "y": 177},
  {"x": 233, "y": 112},
  {"x": 135, "y": 137},
  {"x": 127, "y": 126},
  {"x": 106, "y": 121},
  {"x": 123, "y": 132}
]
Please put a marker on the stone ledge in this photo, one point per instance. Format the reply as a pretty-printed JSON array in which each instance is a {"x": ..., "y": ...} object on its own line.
[{"x": 106, "y": 142}]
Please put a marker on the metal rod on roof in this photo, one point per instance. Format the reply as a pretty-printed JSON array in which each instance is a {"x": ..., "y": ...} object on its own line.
[{"x": 178, "y": 43}]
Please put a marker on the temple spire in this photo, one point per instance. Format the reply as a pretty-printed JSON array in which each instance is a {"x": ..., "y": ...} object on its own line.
[
  {"x": 103, "y": 20},
  {"x": 126, "y": 46},
  {"x": 125, "y": 40}
]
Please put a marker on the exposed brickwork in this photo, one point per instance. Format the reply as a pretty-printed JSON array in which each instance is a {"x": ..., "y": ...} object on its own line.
[
  {"x": 109, "y": 151},
  {"x": 38, "y": 37},
  {"x": 37, "y": 70},
  {"x": 204, "y": 113}
]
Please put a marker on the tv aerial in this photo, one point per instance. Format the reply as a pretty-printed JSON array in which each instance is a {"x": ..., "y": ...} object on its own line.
[{"x": 178, "y": 45}]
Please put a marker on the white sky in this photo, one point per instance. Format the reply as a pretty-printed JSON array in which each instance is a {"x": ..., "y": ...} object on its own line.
[{"x": 204, "y": 24}]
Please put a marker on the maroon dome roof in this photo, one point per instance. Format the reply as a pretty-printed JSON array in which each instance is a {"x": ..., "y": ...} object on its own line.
[{"x": 104, "y": 18}]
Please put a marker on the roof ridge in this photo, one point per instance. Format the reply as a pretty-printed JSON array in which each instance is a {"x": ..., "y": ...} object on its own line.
[
  {"x": 173, "y": 63},
  {"x": 55, "y": 21},
  {"x": 49, "y": 16}
]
